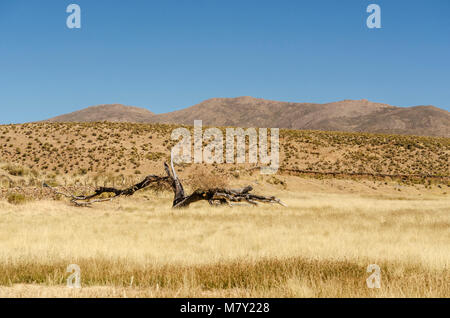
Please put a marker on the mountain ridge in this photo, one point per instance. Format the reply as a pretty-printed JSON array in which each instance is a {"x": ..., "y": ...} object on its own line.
[
  {"x": 106, "y": 112},
  {"x": 246, "y": 111}
]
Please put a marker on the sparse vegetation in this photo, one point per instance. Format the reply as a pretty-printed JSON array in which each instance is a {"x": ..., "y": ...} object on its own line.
[
  {"x": 320, "y": 246},
  {"x": 15, "y": 170},
  {"x": 17, "y": 198},
  {"x": 203, "y": 178},
  {"x": 92, "y": 148}
]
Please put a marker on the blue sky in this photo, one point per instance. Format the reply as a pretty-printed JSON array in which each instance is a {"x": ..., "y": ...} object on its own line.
[{"x": 166, "y": 55}]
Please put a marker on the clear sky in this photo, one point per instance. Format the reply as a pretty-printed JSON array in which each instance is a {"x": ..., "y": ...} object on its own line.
[{"x": 166, "y": 55}]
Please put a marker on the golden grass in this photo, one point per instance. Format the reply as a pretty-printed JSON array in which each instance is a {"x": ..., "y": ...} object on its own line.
[{"x": 319, "y": 246}]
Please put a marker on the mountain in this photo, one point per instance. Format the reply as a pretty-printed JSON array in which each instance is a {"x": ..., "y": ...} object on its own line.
[
  {"x": 347, "y": 115},
  {"x": 110, "y": 112}
]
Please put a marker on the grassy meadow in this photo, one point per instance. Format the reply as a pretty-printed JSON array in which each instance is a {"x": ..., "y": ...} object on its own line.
[
  {"x": 343, "y": 214},
  {"x": 319, "y": 246}
]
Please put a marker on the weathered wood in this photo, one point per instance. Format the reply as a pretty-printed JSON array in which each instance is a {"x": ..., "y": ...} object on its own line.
[
  {"x": 88, "y": 200},
  {"x": 213, "y": 196}
]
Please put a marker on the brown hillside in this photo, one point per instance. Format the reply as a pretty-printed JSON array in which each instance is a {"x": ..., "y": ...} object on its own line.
[
  {"x": 77, "y": 149},
  {"x": 110, "y": 112},
  {"x": 346, "y": 115}
]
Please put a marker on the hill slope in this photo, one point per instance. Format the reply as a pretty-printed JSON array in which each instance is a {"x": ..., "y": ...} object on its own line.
[
  {"x": 109, "y": 112},
  {"x": 123, "y": 148},
  {"x": 346, "y": 115}
]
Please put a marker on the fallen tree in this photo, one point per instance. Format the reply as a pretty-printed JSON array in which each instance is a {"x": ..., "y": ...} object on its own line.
[
  {"x": 214, "y": 196},
  {"x": 89, "y": 199}
]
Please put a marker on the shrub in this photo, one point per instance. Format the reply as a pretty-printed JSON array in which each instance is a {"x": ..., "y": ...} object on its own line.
[
  {"x": 205, "y": 179},
  {"x": 16, "y": 170},
  {"x": 17, "y": 198}
]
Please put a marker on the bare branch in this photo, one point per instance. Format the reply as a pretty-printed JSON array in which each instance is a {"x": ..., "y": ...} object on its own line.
[
  {"x": 88, "y": 200},
  {"x": 213, "y": 196}
]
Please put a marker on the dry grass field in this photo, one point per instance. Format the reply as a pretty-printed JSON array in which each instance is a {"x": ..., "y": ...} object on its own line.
[{"x": 318, "y": 246}]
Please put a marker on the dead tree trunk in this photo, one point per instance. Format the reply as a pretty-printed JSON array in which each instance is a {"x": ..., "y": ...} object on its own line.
[
  {"x": 88, "y": 200},
  {"x": 215, "y": 196}
]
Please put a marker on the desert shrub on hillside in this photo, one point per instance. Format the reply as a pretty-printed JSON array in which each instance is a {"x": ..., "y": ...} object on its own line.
[
  {"x": 155, "y": 156},
  {"x": 17, "y": 198},
  {"x": 88, "y": 148},
  {"x": 15, "y": 170},
  {"x": 203, "y": 178}
]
